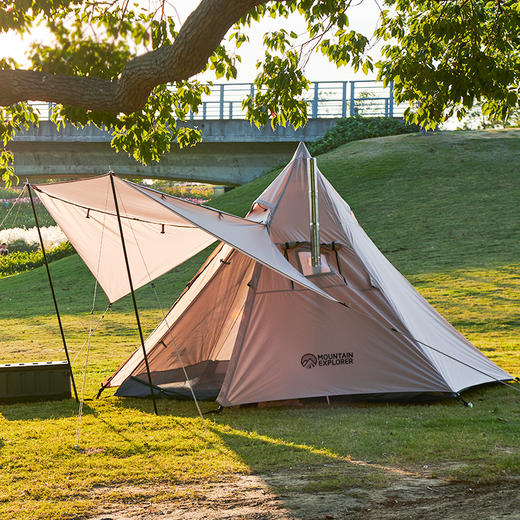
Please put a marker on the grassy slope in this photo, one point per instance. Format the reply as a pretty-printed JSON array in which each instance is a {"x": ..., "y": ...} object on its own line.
[
  {"x": 443, "y": 208},
  {"x": 22, "y": 215}
]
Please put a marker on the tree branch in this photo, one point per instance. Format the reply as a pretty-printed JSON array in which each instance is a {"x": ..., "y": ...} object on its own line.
[{"x": 200, "y": 35}]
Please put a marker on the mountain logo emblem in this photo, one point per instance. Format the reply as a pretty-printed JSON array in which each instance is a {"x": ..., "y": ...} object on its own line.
[{"x": 309, "y": 361}]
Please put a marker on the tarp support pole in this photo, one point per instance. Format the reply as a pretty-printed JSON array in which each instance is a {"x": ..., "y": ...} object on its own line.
[
  {"x": 125, "y": 254},
  {"x": 313, "y": 211},
  {"x": 52, "y": 291}
]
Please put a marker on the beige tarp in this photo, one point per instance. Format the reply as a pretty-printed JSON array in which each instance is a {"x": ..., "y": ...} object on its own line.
[{"x": 160, "y": 232}]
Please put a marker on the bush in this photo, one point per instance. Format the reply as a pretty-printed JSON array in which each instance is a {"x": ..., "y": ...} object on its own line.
[
  {"x": 21, "y": 246},
  {"x": 21, "y": 261},
  {"x": 184, "y": 190},
  {"x": 202, "y": 192},
  {"x": 357, "y": 128}
]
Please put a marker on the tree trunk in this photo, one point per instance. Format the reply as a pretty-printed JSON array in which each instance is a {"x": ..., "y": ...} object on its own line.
[{"x": 200, "y": 35}]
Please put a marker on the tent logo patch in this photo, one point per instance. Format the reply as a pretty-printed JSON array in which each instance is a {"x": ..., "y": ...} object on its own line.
[
  {"x": 309, "y": 361},
  {"x": 329, "y": 359}
]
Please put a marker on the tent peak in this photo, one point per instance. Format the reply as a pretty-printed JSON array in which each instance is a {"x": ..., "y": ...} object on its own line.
[{"x": 301, "y": 152}]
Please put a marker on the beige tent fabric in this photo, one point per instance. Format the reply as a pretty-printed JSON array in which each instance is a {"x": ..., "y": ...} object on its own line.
[
  {"x": 251, "y": 238},
  {"x": 85, "y": 212},
  {"x": 160, "y": 232},
  {"x": 263, "y": 370},
  {"x": 266, "y": 338},
  {"x": 203, "y": 331},
  {"x": 454, "y": 365}
]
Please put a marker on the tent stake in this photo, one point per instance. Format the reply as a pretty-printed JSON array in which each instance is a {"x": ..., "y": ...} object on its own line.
[
  {"x": 132, "y": 292},
  {"x": 465, "y": 403},
  {"x": 52, "y": 291}
]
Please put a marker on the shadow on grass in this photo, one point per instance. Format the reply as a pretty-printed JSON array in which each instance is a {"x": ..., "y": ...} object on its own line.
[
  {"x": 323, "y": 461},
  {"x": 42, "y": 410},
  {"x": 185, "y": 408},
  {"x": 304, "y": 462},
  {"x": 302, "y": 454}
]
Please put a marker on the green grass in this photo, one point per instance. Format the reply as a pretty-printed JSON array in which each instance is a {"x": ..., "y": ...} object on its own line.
[
  {"x": 22, "y": 216},
  {"x": 8, "y": 193},
  {"x": 443, "y": 208}
]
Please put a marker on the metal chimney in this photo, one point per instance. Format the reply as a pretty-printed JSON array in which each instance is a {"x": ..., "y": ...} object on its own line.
[{"x": 313, "y": 212}]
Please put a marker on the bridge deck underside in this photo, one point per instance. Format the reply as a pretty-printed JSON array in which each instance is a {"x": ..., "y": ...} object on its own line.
[
  {"x": 232, "y": 152},
  {"x": 215, "y": 163}
]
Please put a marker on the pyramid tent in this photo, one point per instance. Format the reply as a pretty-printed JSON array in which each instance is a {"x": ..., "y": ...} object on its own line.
[{"x": 243, "y": 333}]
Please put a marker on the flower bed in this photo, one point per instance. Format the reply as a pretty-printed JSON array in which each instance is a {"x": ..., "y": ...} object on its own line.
[
  {"x": 21, "y": 261},
  {"x": 52, "y": 236}
]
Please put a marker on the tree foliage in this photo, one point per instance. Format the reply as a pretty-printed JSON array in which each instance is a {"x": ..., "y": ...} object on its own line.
[
  {"x": 446, "y": 55},
  {"x": 109, "y": 62}
]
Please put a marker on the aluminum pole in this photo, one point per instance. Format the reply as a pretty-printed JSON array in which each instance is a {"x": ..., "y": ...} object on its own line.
[
  {"x": 53, "y": 293},
  {"x": 132, "y": 292}
]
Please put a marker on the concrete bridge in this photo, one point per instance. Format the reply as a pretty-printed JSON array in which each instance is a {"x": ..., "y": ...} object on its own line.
[{"x": 232, "y": 151}]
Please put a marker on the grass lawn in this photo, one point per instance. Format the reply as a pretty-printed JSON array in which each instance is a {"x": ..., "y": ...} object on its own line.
[
  {"x": 22, "y": 215},
  {"x": 444, "y": 210}
]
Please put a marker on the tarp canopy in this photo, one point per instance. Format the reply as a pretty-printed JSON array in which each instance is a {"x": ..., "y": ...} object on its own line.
[{"x": 160, "y": 232}]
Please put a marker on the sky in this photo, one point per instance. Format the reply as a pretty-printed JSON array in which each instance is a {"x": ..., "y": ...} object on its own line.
[{"x": 363, "y": 18}]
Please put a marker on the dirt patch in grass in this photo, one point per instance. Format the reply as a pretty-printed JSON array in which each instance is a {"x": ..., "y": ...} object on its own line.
[{"x": 282, "y": 496}]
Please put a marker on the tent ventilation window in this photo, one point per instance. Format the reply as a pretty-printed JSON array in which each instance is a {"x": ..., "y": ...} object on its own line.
[{"x": 305, "y": 261}]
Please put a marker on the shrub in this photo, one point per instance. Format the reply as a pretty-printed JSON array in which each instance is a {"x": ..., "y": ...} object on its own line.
[
  {"x": 52, "y": 236},
  {"x": 357, "y": 128},
  {"x": 21, "y": 261},
  {"x": 202, "y": 192},
  {"x": 22, "y": 246},
  {"x": 185, "y": 190}
]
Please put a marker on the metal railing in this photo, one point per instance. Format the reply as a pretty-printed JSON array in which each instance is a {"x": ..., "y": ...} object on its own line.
[{"x": 325, "y": 99}]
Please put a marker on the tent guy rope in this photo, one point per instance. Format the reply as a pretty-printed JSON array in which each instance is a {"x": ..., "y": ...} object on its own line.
[
  {"x": 90, "y": 333},
  {"x": 15, "y": 203},
  {"x": 411, "y": 338}
]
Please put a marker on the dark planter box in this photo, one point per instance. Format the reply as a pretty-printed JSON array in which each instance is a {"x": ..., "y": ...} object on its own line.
[{"x": 34, "y": 381}]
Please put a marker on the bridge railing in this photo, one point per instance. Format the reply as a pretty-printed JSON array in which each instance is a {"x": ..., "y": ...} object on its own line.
[{"x": 325, "y": 99}]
